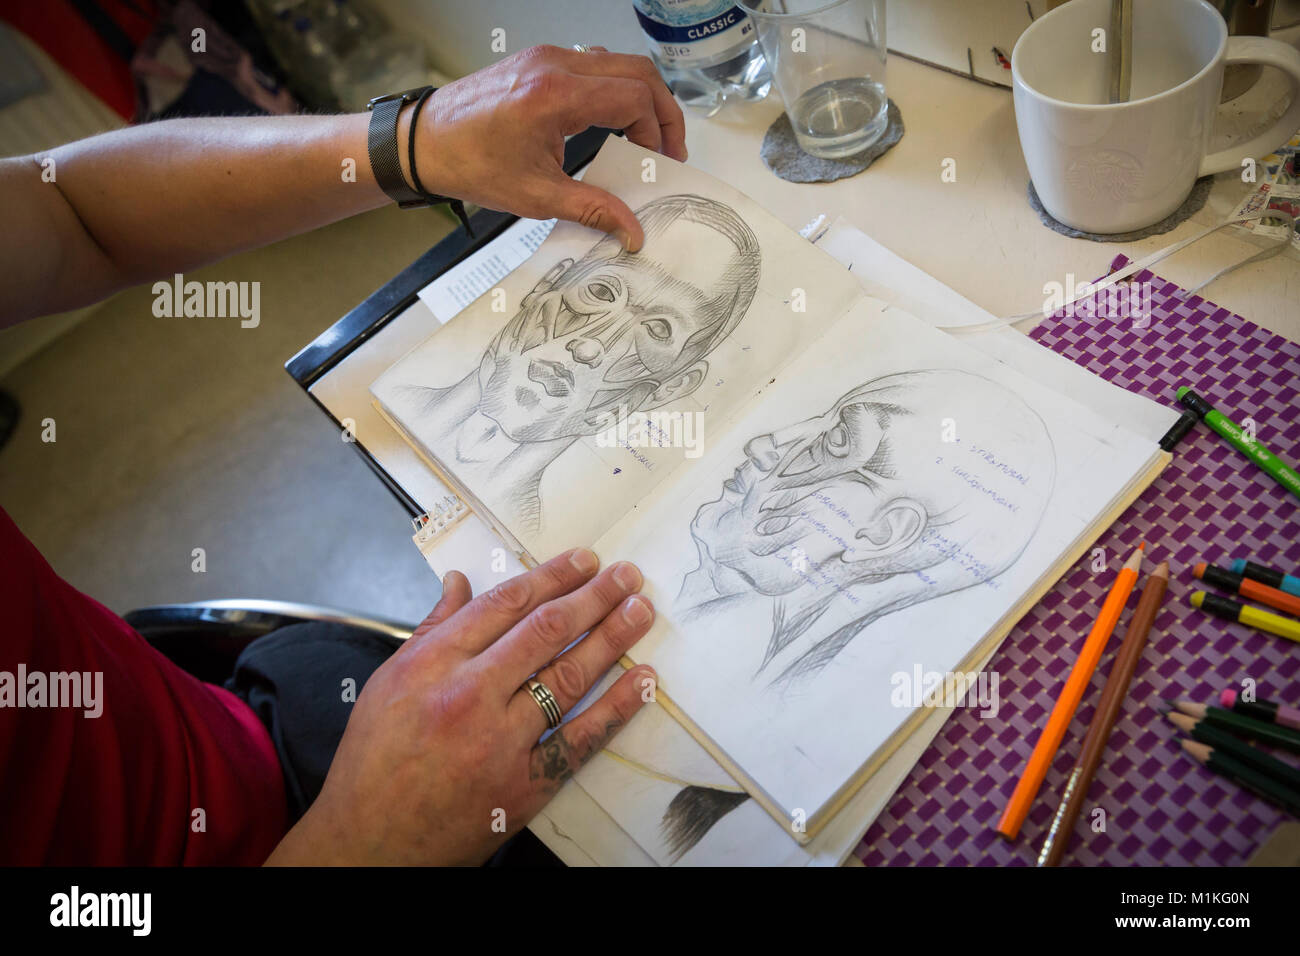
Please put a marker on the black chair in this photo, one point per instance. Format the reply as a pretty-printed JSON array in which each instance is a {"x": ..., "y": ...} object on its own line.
[{"x": 206, "y": 637}]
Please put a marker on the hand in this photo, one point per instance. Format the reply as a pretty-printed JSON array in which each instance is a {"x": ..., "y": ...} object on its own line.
[
  {"x": 496, "y": 137},
  {"x": 443, "y": 737}
]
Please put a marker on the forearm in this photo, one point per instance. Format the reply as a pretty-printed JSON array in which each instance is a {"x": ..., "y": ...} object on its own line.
[
  {"x": 166, "y": 197},
  {"x": 89, "y": 218}
]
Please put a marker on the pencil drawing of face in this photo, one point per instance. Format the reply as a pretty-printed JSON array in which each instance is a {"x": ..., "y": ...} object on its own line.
[
  {"x": 609, "y": 335},
  {"x": 615, "y": 333},
  {"x": 909, "y": 487}
]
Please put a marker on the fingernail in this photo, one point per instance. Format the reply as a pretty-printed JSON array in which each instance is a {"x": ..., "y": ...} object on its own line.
[
  {"x": 624, "y": 239},
  {"x": 585, "y": 561},
  {"x": 627, "y": 576},
  {"x": 636, "y": 611}
]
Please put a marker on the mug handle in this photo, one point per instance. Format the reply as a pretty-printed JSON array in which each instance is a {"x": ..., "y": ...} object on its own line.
[{"x": 1268, "y": 53}]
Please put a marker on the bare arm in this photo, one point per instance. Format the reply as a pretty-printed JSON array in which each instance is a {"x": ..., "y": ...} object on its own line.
[
  {"x": 131, "y": 205},
  {"x": 126, "y": 206}
]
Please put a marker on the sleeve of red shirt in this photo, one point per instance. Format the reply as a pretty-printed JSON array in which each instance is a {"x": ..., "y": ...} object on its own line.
[{"x": 121, "y": 788}]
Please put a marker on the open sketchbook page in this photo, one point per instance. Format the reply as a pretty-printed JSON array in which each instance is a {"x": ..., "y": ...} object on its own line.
[
  {"x": 886, "y": 275},
  {"x": 650, "y": 779},
  {"x": 559, "y": 399},
  {"x": 661, "y": 787},
  {"x": 885, "y": 505}
]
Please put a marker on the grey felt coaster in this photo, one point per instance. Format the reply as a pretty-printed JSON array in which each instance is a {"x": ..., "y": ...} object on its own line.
[
  {"x": 1191, "y": 205},
  {"x": 783, "y": 156}
]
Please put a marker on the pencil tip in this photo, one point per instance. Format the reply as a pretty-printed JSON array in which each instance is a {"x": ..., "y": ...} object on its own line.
[{"x": 1162, "y": 569}]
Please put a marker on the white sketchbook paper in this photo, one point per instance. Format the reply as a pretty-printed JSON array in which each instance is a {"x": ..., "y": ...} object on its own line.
[
  {"x": 511, "y": 397},
  {"x": 857, "y": 495},
  {"x": 863, "y": 519}
]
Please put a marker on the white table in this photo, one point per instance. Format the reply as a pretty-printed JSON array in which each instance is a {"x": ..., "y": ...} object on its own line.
[{"x": 978, "y": 234}]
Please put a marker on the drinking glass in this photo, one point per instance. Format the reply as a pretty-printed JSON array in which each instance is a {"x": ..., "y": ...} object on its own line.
[{"x": 828, "y": 61}]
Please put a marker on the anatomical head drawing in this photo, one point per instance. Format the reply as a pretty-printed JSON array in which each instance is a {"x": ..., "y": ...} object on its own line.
[
  {"x": 876, "y": 501},
  {"x": 614, "y": 333}
]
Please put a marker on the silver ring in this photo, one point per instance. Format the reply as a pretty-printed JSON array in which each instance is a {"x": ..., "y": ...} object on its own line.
[
  {"x": 582, "y": 48},
  {"x": 546, "y": 701}
]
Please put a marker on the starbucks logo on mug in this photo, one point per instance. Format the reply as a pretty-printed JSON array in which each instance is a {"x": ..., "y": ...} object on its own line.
[{"x": 1105, "y": 174}]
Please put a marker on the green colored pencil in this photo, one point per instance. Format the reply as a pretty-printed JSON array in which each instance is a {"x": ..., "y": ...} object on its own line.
[
  {"x": 1274, "y": 734},
  {"x": 1254, "y": 781},
  {"x": 1207, "y": 733}
]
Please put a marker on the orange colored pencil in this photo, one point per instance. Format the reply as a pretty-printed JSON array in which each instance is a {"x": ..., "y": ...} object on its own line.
[
  {"x": 1049, "y": 741},
  {"x": 1112, "y": 702}
]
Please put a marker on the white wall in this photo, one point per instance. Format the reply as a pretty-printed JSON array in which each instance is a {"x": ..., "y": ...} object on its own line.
[{"x": 458, "y": 33}]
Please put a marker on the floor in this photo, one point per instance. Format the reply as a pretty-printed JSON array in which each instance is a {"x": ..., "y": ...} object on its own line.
[{"x": 173, "y": 434}]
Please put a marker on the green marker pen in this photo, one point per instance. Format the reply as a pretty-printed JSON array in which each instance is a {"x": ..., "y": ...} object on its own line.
[{"x": 1254, "y": 450}]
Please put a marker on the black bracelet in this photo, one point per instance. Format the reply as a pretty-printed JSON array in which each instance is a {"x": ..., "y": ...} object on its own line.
[
  {"x": 410, "y": 140},
  {"x": 456, "y": 205}
]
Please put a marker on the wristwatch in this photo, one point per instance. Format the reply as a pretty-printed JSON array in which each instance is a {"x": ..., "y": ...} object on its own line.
[{"x": 382, "y": 145}]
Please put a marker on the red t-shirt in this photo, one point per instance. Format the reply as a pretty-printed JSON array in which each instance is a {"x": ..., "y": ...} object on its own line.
[{"x": 123, "y": 787}]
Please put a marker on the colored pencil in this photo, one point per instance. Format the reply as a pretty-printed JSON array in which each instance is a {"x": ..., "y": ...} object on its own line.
[
  {"x": 1207, "y": 733},
  {"x": 1112, "y": 701},
  {"x": 1264, "y": 710},
  {"x": 1245, "y": 614},
  {"x": 1049, "y": 741},
  {"x": 1247, "y": 588},
  {"x": 1289, "y": 583},
  {"x": 1245, "y": 726},
  {"x": 1236, "y": 771}
]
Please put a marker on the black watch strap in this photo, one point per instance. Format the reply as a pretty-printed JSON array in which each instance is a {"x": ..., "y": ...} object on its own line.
[{"x": 381, "y": 144}]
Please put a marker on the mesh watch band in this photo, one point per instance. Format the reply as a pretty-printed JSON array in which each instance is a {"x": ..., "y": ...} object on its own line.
[{"x": 381, "y": 144}]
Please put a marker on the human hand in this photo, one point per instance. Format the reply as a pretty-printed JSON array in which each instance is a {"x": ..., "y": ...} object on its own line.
[
  {"x": 496, "y": 137},
  {"x": 444, "y": 738}
]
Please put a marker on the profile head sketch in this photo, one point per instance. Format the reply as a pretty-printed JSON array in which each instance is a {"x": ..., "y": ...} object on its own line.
[
  {"x": 608, "y": 335},
  {"x": 911, "y": 486}
]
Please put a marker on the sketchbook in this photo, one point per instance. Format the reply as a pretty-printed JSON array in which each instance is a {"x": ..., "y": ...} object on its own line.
[{"x": 828, "y": 497}]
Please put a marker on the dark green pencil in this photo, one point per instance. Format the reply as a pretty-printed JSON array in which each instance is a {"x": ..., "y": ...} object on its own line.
[
  {"x": 1219, "y": 739},
  {"x": 1274, "y": 734},
  {"x": 1254, "y": 781}
]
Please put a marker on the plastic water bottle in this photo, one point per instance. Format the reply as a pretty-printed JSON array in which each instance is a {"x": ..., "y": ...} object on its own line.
[{"x": 707, "y": 51}]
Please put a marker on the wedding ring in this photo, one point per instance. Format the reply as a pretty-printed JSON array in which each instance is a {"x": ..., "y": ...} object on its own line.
[
  {"x": 545, "y": 700},
  {"x": 582, "y": 48}
]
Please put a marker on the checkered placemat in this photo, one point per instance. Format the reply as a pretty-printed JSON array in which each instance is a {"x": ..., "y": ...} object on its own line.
[{"x": 1211, "y": 505}]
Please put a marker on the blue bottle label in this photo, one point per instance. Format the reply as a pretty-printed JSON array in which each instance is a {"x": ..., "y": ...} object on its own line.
[{"x": 688, "y": 32}]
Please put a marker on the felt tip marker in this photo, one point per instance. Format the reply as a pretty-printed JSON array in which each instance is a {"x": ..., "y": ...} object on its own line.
[
  {"x": 1245, "y": 614},
  {"x": 1289, "y": 583},
  {"x": 1248, "y": 589},
  {"x": 1236, "y": 436}
]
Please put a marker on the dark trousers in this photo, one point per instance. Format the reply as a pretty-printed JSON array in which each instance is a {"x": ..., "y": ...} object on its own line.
[{"x": 301, "y": 681}]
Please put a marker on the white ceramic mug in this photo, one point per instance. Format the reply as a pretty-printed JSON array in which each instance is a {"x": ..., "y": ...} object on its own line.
[{"x": 1114, "y": 167}]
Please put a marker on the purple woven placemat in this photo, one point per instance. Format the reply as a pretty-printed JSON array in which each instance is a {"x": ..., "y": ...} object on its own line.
[{"x": 1210, "y": 504}]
